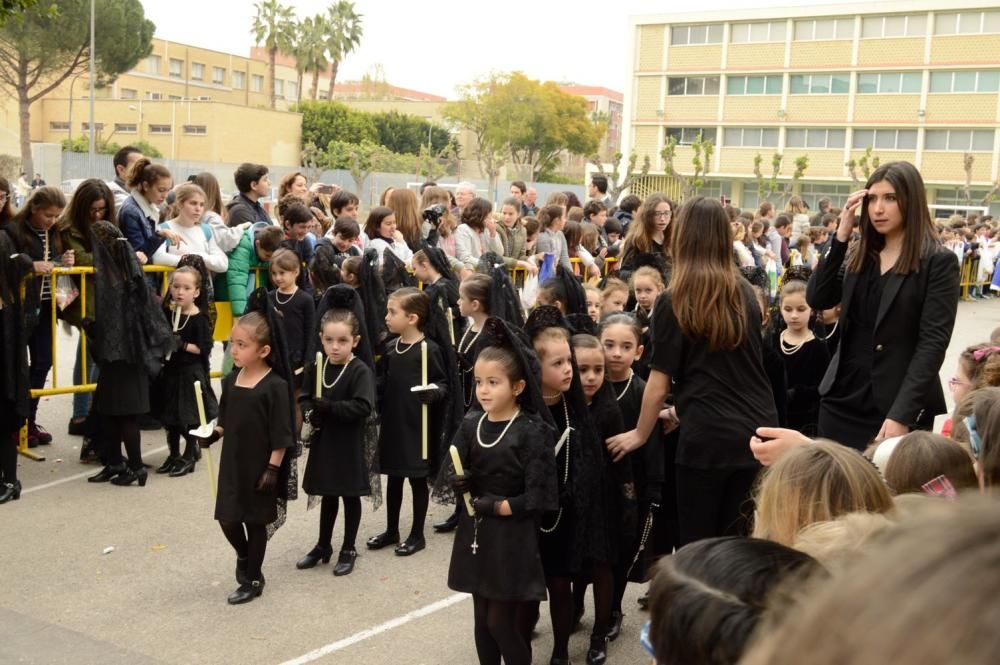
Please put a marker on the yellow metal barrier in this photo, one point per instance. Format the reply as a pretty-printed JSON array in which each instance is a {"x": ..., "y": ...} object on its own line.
[{"x": 968, "y": 277}]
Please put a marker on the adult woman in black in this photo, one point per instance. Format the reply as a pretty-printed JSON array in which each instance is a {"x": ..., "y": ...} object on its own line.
[
  {"x": 898, "y": 291},
  {"x": 648, "y": 240}
]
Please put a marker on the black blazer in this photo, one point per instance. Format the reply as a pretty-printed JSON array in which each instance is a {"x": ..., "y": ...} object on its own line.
[{"x": 915, "y": 320}]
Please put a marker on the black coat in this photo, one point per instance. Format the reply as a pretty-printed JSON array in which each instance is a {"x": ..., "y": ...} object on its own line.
[{"x": 913, "y": 327}]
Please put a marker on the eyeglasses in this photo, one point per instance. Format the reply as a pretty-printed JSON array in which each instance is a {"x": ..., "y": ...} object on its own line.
[{"x": 662, "y": 213}]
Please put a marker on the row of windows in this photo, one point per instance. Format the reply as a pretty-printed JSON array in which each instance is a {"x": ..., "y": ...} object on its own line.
[
  {"x": 872, "y": 27},
  {"x": 132, "y": 128},
  {"x": 960, "y": 140},
  {"x": 869, "y": 83},
  {"x": 197, "y": 73}
]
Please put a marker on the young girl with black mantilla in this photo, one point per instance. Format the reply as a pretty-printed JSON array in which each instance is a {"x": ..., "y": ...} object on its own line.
[
  {"x": 506, "y": 452},
  {"x": 804, "y": 355},
  {"x": 647, "y": 284},
  {"x": 188, "y": 363},
  {"x": 401, "y": 448},
  {"x": 255, "y": 416},
  {"x": 341, "y": 414}
]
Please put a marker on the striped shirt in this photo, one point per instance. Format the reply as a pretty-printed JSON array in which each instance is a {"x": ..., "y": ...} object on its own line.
[{"x": 46, "y": 253}]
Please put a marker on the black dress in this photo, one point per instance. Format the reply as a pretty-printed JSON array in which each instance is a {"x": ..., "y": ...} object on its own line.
[
  {"x": 618, "y": 485},
  {"x": 848, "y": 414},
  {"x": 804, "y": 369},
  {"x": 337, "y": 465},
  {"x": 175, "y": 401},
  {"x": 256, "y": 421},
  {"x": 400, "y": 444},
  {"x": 520, "y": 467},
  {"x": 298, "y": 316},
  {"x": 468, "y": 346},
  {"x": 122, "y": 389}
]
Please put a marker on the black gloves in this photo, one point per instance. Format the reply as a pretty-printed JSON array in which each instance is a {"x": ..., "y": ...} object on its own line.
[
  {"x": 428, "y": 396},
  {"x": 268, "y": 480},
  {"x": 210, "y": 439},
  {"x": 486, "y": 505},
  {"x": 462, "y": 483},
  {"x": 178, "y": 343}
]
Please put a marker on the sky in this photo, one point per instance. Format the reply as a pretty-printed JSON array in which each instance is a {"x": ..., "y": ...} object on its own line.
[{"x": 436, "y": 45}]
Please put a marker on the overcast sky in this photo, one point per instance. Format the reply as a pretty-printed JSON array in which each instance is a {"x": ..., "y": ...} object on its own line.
[{"x": 435, "y": 45}]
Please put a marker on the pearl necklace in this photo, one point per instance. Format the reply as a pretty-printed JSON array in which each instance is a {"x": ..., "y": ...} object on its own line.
[
  {"x": 628, "y": 385},
  {"x": 326, "y": 363},
  {"x": 479, "y": 437},
  {"x": 407, "y": 348},
  {"x": 833, "y": 330},
  {"x": 566, "y": 467},
  {"x": 790, "y": 349},
  {"x": 473, "y": 341},
  {"x": 287, "y": 300}
]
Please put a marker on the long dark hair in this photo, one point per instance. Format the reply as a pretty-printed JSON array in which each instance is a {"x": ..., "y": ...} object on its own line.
[
  {"x": 919, "y": 238},
  {"x": 7, "y": 209},
  {"x": 77, "y": 215},
  {"x": 20, "y": 223},
  {"x": 640, "y": 232}
]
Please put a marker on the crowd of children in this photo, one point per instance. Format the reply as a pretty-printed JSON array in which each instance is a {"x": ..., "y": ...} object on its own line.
[{"x": 615, "y": 422}]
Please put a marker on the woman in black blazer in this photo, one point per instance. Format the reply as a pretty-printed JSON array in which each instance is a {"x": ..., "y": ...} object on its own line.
[{"x": 898, "y": 291}]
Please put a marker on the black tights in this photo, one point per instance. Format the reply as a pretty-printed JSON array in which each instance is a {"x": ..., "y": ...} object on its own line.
[
  {"x": 8, "y": 457},
  {"x": 174, "y": 442},
  {"x": 394, "y": 502},
  {"x": 500, "y": 631},
  {"x": 250, "y": 543},
  {"x": 123, "y": 429},
  {"x": 603, "y": 577},
  {"x": 328, "y": 517},
  {"x": 561, "y": 613}
]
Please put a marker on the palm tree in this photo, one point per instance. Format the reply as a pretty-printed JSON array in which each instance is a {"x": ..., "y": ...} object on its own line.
[
  {"x": 311, "y": 51},
  {"x": 343, "y": 35},
  {"x": 274, "y": 29}
]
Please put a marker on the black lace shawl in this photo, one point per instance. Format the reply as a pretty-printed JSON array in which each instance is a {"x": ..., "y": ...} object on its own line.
[
  {"x": 395, "y": 274},
  {"x": 453, "y": 406},
  {"x": 373, "y": 297},
  {"x": 14, "y": 268},
  {"x": 129, "y": 325},
  {"x": 505, "y": 301},
  {"x": 205, "y": 299},
  {"x": 576, "y": 304}
]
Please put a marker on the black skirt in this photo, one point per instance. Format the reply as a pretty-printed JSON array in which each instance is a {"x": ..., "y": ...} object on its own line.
[
  {"x": 122, "y": 390},
  {"x": 175, "y": 401}
]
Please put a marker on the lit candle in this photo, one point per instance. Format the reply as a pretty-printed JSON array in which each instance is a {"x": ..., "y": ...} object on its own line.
[
  {"x": 201, "y": 404},
  {"x": 423, "y": 407},
  {"x": 457, "y": 461},
  {"x": 319, "y": 375}
]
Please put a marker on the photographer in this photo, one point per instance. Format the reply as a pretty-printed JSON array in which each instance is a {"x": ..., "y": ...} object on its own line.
[{"x": 439, "y": 223}]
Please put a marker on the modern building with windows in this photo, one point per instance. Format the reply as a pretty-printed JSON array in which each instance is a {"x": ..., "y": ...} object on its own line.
[{"x": 917, "y": 80}]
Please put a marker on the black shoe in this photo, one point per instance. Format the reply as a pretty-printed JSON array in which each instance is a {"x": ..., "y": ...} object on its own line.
[
  {"x": 448, "y": 525},
  {"x": 77, "y": 427},
  {"x": 315, "y": 555},
  {"x": 247, "y": 592},
  {"x": 106, "y": 474},
  {"x": 410, "y": 547},
  {"x": 597, "y": 654},
  {"x": 12, "y": 492},
  {"x": 129, "y": 476},
  {"x": 40, "y": 434},
  {"x": 88, "y": 451},
  {"x": 168, "y": 464},
  {"x": 241, "y": 571},
  {"x": 345, "y": 563},
  {"x": 382, "y": 540},
  {"x": 616, "y": 626},
  {"x": 643, "y": 601},
  {"x": 148, "y": 423},
  {"x": 183, "y": 467}
]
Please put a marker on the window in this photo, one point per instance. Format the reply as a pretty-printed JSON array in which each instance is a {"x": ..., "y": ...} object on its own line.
[
  {"x": 256, "y": 83},
  {"x": 239, "y": 80},
  {"x": 687, "y": 135},
  {"x": 885, "y": 139},
  {"x": 128, "y": 93},
  {"x": 815, "y": 138},
  {"x": 159, "y": 129},
  {"x": 812, "y": 192},
  {"x": 279, "y": 88},
  {"x": 154, "y": 96},
  {"x": 773, "y": 31},
  {"x": 176, "y": 68},
  {"x": 754, "y": 85},
  {"x": 966, "y": 23},
  {"x": 962, "y": 140},
  {"x": 125, "y": 127},
  {"x": 153, "y": 64},
  {"x": 195, "y": 130},
  {"x": 59, "y": 126},
  {"x": 693, "y": 85},
  {"x": 751, "y": 137},
  {"x": 889, "y": 83},
  {"x": 218, "y": 75},
  {"x": 696, "y": 34},
  {"x": 820, "y": 84},
  {"x": 293, "y": 90},
  {"x": 98, "y": 126},
  {"x": 965, "y": 81},
  {"x": 203, "y": 98},
  {"x": 830, "y": 28},
  {"x": 197, "y": 71},
  {"x": 876, "y": 27},
  {"x": 175, "y": 98}
]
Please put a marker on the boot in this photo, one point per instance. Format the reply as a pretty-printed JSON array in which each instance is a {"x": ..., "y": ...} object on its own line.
[{"x": 319, "y": 553}]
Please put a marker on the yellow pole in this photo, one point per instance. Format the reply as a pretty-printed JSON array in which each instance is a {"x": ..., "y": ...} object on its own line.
[{"x": 83, "y": 335}]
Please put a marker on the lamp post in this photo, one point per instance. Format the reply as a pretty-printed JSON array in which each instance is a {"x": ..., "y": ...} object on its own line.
[
  {"x": 131, "y": 107},
  {"x": 93, "y": 70}
]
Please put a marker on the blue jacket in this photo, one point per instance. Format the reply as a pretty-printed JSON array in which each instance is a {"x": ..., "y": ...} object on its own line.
[{"x": 139, "y": 230}]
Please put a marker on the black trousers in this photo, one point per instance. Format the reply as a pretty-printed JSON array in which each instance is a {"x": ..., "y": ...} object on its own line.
[{"x": 714, "y": 502}]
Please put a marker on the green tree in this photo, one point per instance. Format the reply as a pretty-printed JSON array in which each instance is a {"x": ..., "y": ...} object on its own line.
[
  {"x": 866, "y": 162},
  {"x": 310, "y": 50},
  {"x": 474, "y": 112},
  {"x": 358, "y": 158},
  {"x": 14, "y": 8},
  {"x": 703, "y": 149},
  {"x": 768, "y": 186},
  {"x": 404, "y": 133},
  {"x": 105, "y": 146},
  {"x": 41, "y": 50},
  {"x": 274, "y": 29},
  {"x": 323, "y": 122},
  {"x": 616, "y": 184},
  {"x": 343, "y": 35}
]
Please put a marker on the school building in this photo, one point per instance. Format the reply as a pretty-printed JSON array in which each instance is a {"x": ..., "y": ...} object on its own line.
[{"x": 915, "y": 80}]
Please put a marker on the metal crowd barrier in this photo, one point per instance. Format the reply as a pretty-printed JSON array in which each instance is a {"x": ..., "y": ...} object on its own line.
[{"x": 968, "y": 277}]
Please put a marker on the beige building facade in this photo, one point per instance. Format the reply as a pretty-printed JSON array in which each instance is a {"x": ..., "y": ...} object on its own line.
[{"x": 917, "y": 80}]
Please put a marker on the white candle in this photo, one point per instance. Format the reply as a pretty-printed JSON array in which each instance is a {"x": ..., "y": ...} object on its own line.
[
  {"x": 423, "y": 407},
  {"x": 319, "y": 375},
  {"x": 451, "y": 325},
  {"x": 457, "y": 461},
  {"x": 201, "y": 404}
]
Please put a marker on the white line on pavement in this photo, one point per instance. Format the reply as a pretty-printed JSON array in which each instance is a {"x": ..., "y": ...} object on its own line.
[
  {"x": 339, "y": 645},
  {"x": 78, "y": 476}
]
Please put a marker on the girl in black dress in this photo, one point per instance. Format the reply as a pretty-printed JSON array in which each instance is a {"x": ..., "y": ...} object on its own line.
[
  {"x": 804, "y": 355},
  {"x": 15, "y": 393},
  {"x": 178, "y": 410},
  {"x": 647, "y": 284},
  {"x": 298, "y": 312},
  {"x": 342, "y": 415},
  {"x": 403, "y": 453},
  {"x": 254, "y": 471},
  {"x": 510, "y": 475}
]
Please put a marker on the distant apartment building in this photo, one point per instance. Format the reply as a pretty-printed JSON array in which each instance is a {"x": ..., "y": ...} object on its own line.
[{"x": 917, "y": 80}]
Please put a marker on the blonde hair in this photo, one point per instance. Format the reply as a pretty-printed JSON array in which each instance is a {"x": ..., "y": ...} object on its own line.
[
  {"x": 614, "y": 285},
  {"x": 187, "y": 191},
  {"x": 835, "y": 543},
  {"x": 816, "y": 483},
  {"x": 649, "y": 273}
]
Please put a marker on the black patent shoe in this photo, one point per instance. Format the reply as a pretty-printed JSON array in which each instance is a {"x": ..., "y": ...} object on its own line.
[
  {"x": 382, "y": 540},
  {"x": 448, "y": 525},
  {"x": 616, "y": 626},
  {"x": 241, "y": 571},
  {"x": 106, "y": 474},
  {"x": 410, "y": 547},
  {"x": 168, "y": 464},
  {"x": 247, "y": 592},
  {"x": 315, "y": 555},
  {"x": 183, "y": 467},
  {"x": 129, "y": 476},
  {"x": 11, "y": 492},
  {"x": 345, "y": 563},
  {"x": 597, "y": 654}
]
